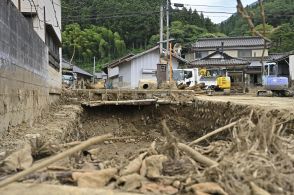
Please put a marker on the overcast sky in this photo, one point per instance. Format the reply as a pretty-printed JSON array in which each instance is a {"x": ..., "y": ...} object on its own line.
[{"x": 228, "y": 6}]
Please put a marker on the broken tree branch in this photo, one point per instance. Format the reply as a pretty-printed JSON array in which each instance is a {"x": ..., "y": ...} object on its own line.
[
  {"x": 196, "y": 155},
  {"x": 53, "y": 159},
  {"x": 213, "y": 133},
  {"x": 243, "y": 12}
]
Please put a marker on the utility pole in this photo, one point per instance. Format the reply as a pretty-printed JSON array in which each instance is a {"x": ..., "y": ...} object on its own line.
[
  {"x": 161, "y": 33},
  {"x": 167, "y": 26},
  {"x": 94, "y": 67}
]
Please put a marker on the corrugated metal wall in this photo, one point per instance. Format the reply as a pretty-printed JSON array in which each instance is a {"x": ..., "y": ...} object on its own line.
[
  {"x": 125, "y": 73},
  {"x": 147, "y": 61}
]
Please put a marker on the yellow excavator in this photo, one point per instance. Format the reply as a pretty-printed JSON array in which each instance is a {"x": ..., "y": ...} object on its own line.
[{"x": 213, "y": 79}]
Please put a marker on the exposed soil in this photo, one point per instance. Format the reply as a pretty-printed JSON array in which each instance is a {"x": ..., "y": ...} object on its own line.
[{"x": 240, "y": 152}]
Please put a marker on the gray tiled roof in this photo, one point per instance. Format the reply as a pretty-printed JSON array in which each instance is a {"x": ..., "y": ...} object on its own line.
[
  {"x": 78, "y": 70},
  {"x": 222, "y": 59},
  {"x": 66, "y": 64},
  {"x": 220, "y": 62},
  {"x": 229, "y": 42}
]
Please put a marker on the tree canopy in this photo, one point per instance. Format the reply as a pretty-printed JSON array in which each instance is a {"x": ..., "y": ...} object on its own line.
[
  {"x": 279, "y": 18},
  {"x": 109, "y": 29}
]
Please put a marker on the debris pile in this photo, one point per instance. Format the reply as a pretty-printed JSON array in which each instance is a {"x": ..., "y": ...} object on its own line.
[{"x": 257, "y": 158}]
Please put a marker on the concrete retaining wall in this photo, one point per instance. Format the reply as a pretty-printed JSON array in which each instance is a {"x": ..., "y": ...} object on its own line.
[{"x": 24, "y": 89}]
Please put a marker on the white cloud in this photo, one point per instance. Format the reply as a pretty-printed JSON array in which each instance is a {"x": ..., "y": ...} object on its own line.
[{"x": 228, "y": 6}]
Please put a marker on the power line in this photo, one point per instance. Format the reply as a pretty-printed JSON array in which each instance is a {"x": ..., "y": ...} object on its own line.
[
  {"x": 134, "y": 14},
  {"x": 55, "y": 14},
  {"x": 203, "y": 5}
]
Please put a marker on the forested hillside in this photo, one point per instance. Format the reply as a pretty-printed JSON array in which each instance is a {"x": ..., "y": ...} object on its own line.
[
  {"x": 109, "y": 29},
  {"x": 279, "y": 28}
]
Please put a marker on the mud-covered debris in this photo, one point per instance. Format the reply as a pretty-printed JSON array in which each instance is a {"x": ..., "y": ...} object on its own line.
[
  {"x": 18, "y": 160},
  {"x": 177, "y": 184},
  {"x": 208, "y": 188},
  {"x": 154, "y": 165},
  {"x": 2, "y": 155},
  {"x": 154, "y": 188},
  {"x": 94, "y": 179},
  {"x": 87, "y": 166},
  {"x": 130, "y": 182},
  {"x": 46, "y": 189},
  {"x": 94, "y": 153},
  {"x": 257, "y": 190},
  {"x": 134, "y": 166}
]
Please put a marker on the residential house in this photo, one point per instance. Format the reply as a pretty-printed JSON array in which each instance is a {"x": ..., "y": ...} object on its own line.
[
  {"x": 127, "y": 71},
  {"x": 246, "y": 48},
  {"x": 81, "y": 77},
  {"x": 45, "y": 18}
]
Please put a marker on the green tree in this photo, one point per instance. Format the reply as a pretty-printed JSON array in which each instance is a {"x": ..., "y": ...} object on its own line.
[{"x": 283, "y": 38}]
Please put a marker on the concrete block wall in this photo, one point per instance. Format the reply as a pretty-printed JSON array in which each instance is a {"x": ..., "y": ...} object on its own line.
[{"x": 24, "y": 90}]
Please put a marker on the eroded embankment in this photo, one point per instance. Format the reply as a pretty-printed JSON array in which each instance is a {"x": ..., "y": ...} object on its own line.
[
  {"x": 256, "y": 154},
  {"x": 187, "y": 121}
]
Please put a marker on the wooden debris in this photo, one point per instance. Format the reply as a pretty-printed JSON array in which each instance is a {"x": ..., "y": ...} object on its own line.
[
  {"x": 53, "y": 159},
  {"x": 120, "y": 102},
  {"x": 213, "y": 133},
  {"x": 257, "y": 190},
  {"x": 196, "y": 155}
]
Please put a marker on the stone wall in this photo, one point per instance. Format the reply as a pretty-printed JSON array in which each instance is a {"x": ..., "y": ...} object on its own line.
[{"x": 24, "y": 89}]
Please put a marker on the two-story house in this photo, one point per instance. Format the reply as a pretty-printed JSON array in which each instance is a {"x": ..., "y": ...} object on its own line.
[
  {"x": 45, "y": 18},
  {"x": 239, "y": 48}
]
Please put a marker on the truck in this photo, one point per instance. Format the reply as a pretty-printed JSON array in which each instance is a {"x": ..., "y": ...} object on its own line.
[
  {"x": 274, "y": 84},
  {"x": 213, "y": 79}
]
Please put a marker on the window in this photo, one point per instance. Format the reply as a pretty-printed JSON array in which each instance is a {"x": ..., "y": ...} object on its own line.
[
  {"x": 120, "y": 79},
  {"x": 201, "y": 54},
  {"x": 244, "y": 53}
]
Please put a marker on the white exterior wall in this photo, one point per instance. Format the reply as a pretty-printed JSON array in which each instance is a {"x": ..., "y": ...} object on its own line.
[
  {"x": 38, "y": 21},
  {"x": 112, "y": 72},
  {"x": 147, "y": 61},
  {"x": 124, "y": 72},
  {"x": 291, "y": 67},
  {"x": 258, "y": 53}
]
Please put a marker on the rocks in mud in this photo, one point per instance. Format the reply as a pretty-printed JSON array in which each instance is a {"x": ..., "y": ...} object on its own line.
[
  {"x": 18, "y": 160},
  {"x": 154, "y": 188},
  {"x": 207, "y": 188},
  {"x": 94, "y": 179},
  {"x": 130, "y": 182},
  {"x": 154, "y": 165},
  {"x": 134, "y": 166}
]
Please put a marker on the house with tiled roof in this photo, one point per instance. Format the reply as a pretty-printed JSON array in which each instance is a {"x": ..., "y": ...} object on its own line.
[
  {"x": 76, "y": 75},
  {"x": 239, "y": 49}
]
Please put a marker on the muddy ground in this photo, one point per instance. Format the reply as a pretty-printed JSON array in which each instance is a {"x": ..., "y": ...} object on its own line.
[{"x": 135, "y": 128}]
